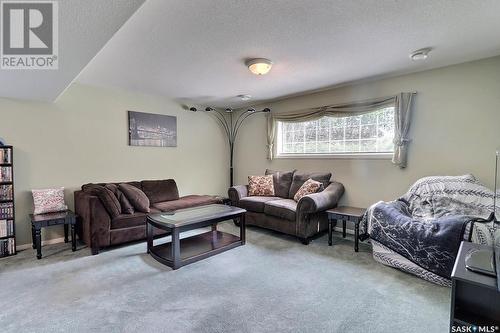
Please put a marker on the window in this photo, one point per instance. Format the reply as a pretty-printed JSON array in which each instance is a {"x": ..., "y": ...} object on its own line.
[{"x": 370, "y": 133}]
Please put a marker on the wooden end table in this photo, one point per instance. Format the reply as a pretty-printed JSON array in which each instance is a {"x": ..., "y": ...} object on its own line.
[
  {"x": 67, "y": 218},
  {"x": 345, "y": 213}
]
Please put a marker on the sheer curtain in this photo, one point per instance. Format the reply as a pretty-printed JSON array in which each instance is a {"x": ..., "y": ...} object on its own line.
[
  {"x": 402, "y": 107},
  {"x": 401, "y": 102}
]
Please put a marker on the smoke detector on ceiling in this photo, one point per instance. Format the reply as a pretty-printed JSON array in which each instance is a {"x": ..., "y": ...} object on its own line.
[
  {"x": 421, "y": 54},
  {"x": 244, "y": 97}
]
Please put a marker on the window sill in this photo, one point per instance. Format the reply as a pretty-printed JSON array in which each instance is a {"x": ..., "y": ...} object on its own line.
[{"x": 351, "y": 156}]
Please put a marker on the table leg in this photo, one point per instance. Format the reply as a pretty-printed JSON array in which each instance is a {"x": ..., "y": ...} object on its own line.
[
  {"x": 242, "y": 228},
  {"x": 149, "y": 236},
  {"x": 38, "y": 240},
  {"x": 33, "y": 238},
  {"x": 343, "y": 228},
  {"x": 214, "y": 235},
  {"x": 330, "y": 231},
  {"x": 176, "y": 249},
  {"x": 73, "y": 237},
  {"x": 356, "y": 236},
  {"x": 65, "y": 233}
]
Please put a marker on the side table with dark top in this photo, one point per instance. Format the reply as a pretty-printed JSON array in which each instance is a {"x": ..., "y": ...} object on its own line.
[
  {"x": 475, "y": 299},
  {"x": 345, "y": 213},
  {"x": 66, "y": 218}
]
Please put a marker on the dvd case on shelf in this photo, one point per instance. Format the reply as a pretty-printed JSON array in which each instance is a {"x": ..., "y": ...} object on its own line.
[
  {"x": 5, "y": 155},
  {"x": 7, "y": 211}
]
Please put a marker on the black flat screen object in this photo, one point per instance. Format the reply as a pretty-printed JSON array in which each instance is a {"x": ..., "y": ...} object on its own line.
[{"x": 487, "y": 262}]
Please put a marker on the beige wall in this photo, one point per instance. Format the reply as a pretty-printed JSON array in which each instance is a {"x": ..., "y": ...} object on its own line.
[
  {"x": 455, "y": 130},
  {"x": 83, "y": 138}
]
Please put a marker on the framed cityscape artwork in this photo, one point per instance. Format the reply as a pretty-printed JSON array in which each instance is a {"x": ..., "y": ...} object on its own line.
[{"x": 148, "y": 129}]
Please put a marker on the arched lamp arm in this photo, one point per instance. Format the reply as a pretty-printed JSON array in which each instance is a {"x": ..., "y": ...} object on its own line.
[
  {"x": 217, "y": 115},
  {"x": 243, "y": 117}
]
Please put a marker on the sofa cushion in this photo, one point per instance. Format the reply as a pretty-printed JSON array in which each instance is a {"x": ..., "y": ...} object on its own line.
[
  {"x": 309, "y": 187},
  {"x": 136, "y": 197},
  {"x": 261, "y": 186},
  {"x": 186, "y": 202},
  {"x": 107, "y": 197},
  {"x": 126, "y": 206},
  {"x": 282, "y": 181},
  {"x": 299, "y": 178},
  {"x": 282, "y": 208},
  {"x": 133, "y": 183},
  {"x": 153, "y": 210},
  {"x": 128, "y": 221},
  {"x": 160, "y": 190},
  {"x": 255, "y": 204}
]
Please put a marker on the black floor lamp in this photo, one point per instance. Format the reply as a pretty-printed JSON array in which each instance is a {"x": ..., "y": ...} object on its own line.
[{"x": 231, "y": 127}]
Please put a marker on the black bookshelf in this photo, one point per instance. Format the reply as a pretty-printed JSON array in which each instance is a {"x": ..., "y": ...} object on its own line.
[{"x": 7, "y": 203}]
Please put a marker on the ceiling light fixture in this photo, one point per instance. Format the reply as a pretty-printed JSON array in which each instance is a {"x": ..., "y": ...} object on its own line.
[
  {"x": 421, "y": 54},
  {"x": 259, "y": 66}
]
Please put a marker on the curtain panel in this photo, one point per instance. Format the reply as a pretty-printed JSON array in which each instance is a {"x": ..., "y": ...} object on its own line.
[{"x": 401, "y": 102}]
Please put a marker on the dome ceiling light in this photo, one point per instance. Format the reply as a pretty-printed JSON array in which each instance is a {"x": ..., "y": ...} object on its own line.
[{"x": 259, "y": 66}]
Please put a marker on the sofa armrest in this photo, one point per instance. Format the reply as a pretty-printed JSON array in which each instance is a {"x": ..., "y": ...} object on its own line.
[
  {"x": 321, "y": 201},
  {"x": 236, "y": 193},
  {"x": 95, "y": 222}
]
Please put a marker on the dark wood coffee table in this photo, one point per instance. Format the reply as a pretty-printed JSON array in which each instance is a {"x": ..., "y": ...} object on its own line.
[
  {"x": 345, "y": 213},
  {"x": 180, "y": 252}
]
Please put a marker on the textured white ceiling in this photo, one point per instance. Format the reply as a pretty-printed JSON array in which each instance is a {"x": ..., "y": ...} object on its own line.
[
  {"x": 194, "y": 51},
  {"x": 84, "y": 28}
]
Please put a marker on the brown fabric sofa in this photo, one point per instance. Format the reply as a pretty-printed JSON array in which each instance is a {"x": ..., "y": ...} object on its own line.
[
  {"x": 303, "y": 219},
  {"x": 98, "y": 229}
]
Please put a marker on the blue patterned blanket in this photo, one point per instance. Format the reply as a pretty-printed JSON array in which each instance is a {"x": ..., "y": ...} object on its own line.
[
  {"x": 425, "y": 226},
  {"x": 431, "y": 244}
]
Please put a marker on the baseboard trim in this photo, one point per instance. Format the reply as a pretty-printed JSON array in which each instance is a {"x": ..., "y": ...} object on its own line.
[
  {"x": 61, "y": 239},
  {"x": 45, "y": 242}
]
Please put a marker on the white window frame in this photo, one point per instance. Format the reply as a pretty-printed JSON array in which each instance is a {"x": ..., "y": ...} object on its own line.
[{"x": 350, "y": 155}]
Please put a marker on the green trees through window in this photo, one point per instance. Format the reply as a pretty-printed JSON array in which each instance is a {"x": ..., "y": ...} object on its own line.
[{"x": 369, "y": 133}]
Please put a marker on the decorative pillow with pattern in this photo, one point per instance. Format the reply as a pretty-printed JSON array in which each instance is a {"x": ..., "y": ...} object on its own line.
[
  {"x": 261, "y": 186},
  {"x": 49, "y": 200},
  {"x": 309, "y": 187}
]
